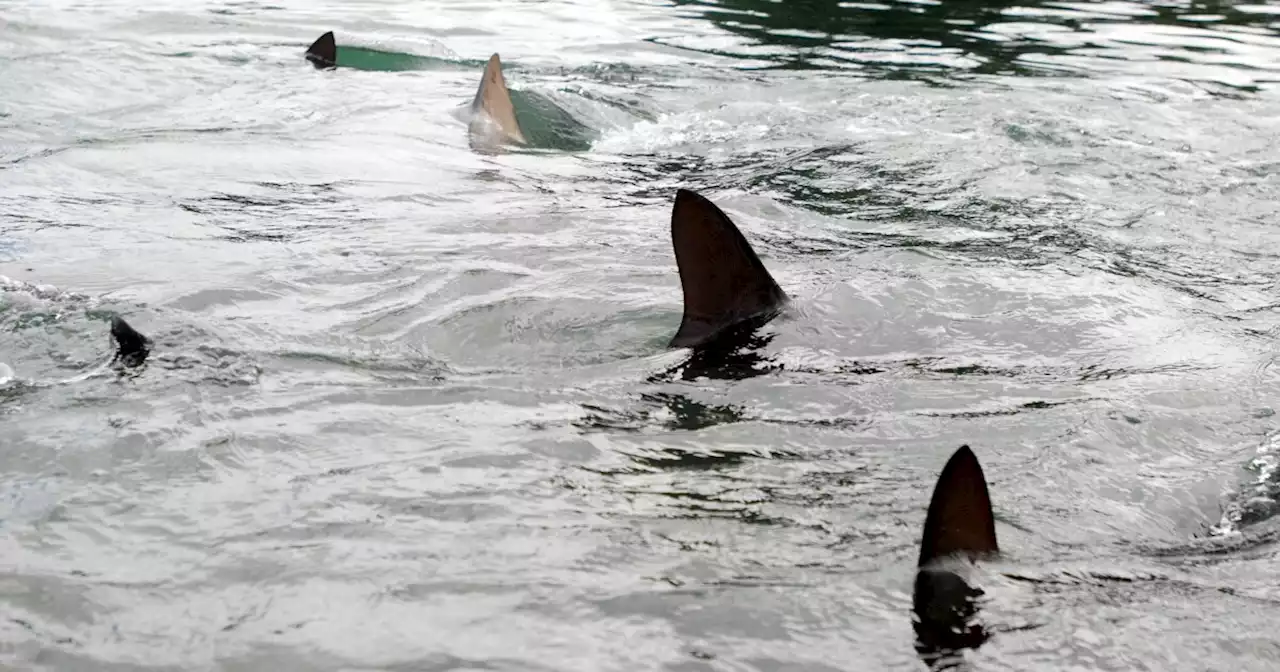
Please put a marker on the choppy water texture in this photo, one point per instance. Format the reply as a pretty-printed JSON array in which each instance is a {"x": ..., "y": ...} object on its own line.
[{"x": 410, "y": 405}]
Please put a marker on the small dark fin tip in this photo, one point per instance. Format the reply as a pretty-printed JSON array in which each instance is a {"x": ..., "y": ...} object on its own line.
[
  {"x": 960, "y": 519},
  {"x": 323, "y": 53},
  {"x": 723, "y": 280}
]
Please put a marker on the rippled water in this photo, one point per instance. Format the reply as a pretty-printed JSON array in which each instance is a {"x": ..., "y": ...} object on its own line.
[{"x": 410, "y": 405}]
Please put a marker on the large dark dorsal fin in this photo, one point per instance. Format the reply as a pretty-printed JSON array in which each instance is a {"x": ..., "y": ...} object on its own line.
[
  {"x": 323, "y": 53},
  {"x": 960, "y": 519},
  {"x": 724, "y": 281},
  {"x": 494, "y": 98}
]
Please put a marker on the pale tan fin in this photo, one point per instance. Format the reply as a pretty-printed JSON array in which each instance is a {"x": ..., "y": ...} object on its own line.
[
  {"x": 960, "y": 518},
  {"x": 724, "y": 281},
  {"x": 494, "y": 98}
]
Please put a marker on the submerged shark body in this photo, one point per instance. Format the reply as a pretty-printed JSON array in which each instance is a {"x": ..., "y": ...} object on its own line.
[
  {"x": 492, "y": 114},
  {"x": 958, "y": 530}
]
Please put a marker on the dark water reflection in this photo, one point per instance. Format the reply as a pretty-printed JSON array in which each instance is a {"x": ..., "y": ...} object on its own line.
[{"x": 1214, "y": 42}]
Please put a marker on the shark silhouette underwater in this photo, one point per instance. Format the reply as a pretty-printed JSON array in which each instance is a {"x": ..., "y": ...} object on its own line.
[{"x": 492, "y": 111}]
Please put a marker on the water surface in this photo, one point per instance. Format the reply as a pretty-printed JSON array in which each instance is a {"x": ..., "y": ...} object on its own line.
[{"x": 410, "y": 405}]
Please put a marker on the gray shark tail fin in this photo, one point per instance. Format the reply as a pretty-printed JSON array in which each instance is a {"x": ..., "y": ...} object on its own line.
[
  {"x": 724, "y": 282},
  {"x": 132, "y": 347},
  {"x": 495, "y": 100},
  {"x": 960, "y": 519},
  {"x": 323, "y": 53}
]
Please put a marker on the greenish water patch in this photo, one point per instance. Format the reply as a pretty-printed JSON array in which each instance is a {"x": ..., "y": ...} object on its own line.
[
  {"x": 375, "y": 60},
  {"x": 544, "y": 122},
  {"x": 546, "y": 125}
]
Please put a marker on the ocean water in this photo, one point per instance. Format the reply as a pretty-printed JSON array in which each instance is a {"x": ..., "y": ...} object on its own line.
[{"x": 411, "y": 406}]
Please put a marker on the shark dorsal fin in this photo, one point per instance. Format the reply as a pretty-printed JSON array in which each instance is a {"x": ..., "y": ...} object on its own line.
[
  {"x": 724, "y": 281},
  {"x": 131, "y": 346},
  {"x": 323, "y": 53},
  {"x": 494, "y": 98},
  {"x": 960, "y": 519}
]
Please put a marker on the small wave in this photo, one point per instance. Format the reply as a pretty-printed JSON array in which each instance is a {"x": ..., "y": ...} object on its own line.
[{"x": 1258, "y": 500}]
